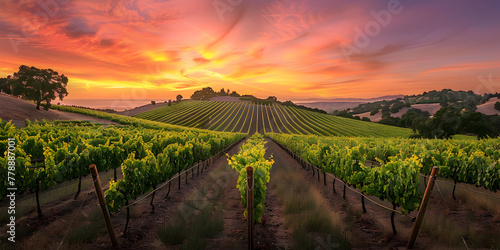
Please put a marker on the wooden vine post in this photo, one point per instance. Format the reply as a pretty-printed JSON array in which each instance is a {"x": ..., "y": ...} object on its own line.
[
  {"x": 37, "y": 189},
  {"x": 250, "y": 212},
  {"x": 423, "y": 207},
  {"x": 102, "y": 202}
]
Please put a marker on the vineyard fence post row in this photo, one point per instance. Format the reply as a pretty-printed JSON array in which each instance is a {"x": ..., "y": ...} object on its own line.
[
  {"x": 102, "y": 202},
  {"x": 423, "y": 207}
]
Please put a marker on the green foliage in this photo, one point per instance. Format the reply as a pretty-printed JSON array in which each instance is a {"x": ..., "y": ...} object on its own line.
[
  {"x": 389, "y": 120},
  {"x": 412, "y": 115},
  {"x": 398, "y": 105},
  {"x": 66, "y": 150},
  {"x": 401, "y": 162},
  {"x": 145, "y": 172},
  {"x": 5, "y": 87},
  {"x": 208, "y": 92},
  {"x": 251, "y": 154},
  {"x": 450, "y": 121}
]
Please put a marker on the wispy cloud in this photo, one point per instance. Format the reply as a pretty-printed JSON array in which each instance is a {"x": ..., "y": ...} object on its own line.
[{"x": 287, "y": 48}]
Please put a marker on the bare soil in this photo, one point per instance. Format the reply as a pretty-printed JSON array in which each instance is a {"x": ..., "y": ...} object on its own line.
[{"x": 488, "y": 108}]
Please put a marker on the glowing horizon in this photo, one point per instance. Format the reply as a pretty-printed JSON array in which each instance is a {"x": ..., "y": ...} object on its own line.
[{"x": 290, "y": 49}]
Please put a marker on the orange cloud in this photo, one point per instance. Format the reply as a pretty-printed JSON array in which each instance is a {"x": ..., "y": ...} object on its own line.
[{"x": 286, "y": 48}]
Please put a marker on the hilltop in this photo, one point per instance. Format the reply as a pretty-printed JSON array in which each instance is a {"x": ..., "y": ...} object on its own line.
[{"x": 18, "y": 110}]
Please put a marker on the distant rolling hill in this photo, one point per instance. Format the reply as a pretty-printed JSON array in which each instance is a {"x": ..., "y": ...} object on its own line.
[
  {"x": 486, "y": 108},
  {"x": 248, "y": 117},
  {"x": 330, "y": 105}
]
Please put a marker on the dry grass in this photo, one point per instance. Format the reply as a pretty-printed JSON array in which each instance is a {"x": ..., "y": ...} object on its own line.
[
  {"x": 82, "y": 228},
  {"x": 195, "y": 219},
  {"x": 27, "y": 203},
  {"x": 90, "y": 227},
  {"x": 307, "y": 214}
]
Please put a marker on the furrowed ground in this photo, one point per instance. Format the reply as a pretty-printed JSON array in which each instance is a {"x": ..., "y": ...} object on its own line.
[{"x": 248, "y": 117}]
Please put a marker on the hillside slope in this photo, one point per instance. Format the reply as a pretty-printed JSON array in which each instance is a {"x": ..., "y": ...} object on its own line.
[
  {"x": 331, "y": 106},
  {"x": 248, "y": 117},
  {"x": 19, "y": 110},
  {"x": 486, "y": 108}
]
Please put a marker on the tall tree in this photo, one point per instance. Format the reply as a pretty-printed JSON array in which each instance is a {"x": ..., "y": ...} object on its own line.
[
  {"x": 179, "y": 98},
  {"x": 5, "y": 86},
  {"x": 444, "y": 124},
  {"x": 39, "y": 85}
]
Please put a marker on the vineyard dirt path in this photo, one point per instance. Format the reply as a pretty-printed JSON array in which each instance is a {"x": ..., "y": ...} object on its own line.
[
  {"x": 362, "y": 231},
  {"x": 63, "y": 216},
  {"x": 269, "y": 235},
  {"x": 142, "y": 231},
  {"x": 372, "y": 230}
]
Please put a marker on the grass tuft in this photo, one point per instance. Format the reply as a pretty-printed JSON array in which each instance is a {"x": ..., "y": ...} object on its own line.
[{"x": 307, "y": 215}]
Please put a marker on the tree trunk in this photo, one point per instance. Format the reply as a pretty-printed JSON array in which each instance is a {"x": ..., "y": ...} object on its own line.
[
  {"x": 79, "y": 187},
  {"x": 128, "y": 218},
  {"x": 363, "y": 204},
  {"x": 454, "y": 187},
  {"x": 392, "y": 219},
  {"x": 179, "y": 175},
  {"x": 38, "y": 209},
  {"x": 198, "y": 168},
  {"x": 169, "y": 183},
  {"x": 38, "y": 105},
  {"x": 151, "y": 203}
]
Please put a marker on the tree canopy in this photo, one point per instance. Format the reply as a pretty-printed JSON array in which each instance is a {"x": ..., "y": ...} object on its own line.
[
  {"x": 39, "y": 85},
  {"x": 208, "y": 92}
]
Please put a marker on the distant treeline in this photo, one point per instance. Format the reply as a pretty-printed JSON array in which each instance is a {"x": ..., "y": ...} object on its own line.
[{"x": 208, "y": 92}]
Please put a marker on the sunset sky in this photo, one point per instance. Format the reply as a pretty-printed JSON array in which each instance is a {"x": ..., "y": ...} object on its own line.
[{"x": 157, "y": 49}]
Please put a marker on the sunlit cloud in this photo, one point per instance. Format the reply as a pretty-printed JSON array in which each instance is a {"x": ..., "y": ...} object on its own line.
[{"x": 287, "y": 48}]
